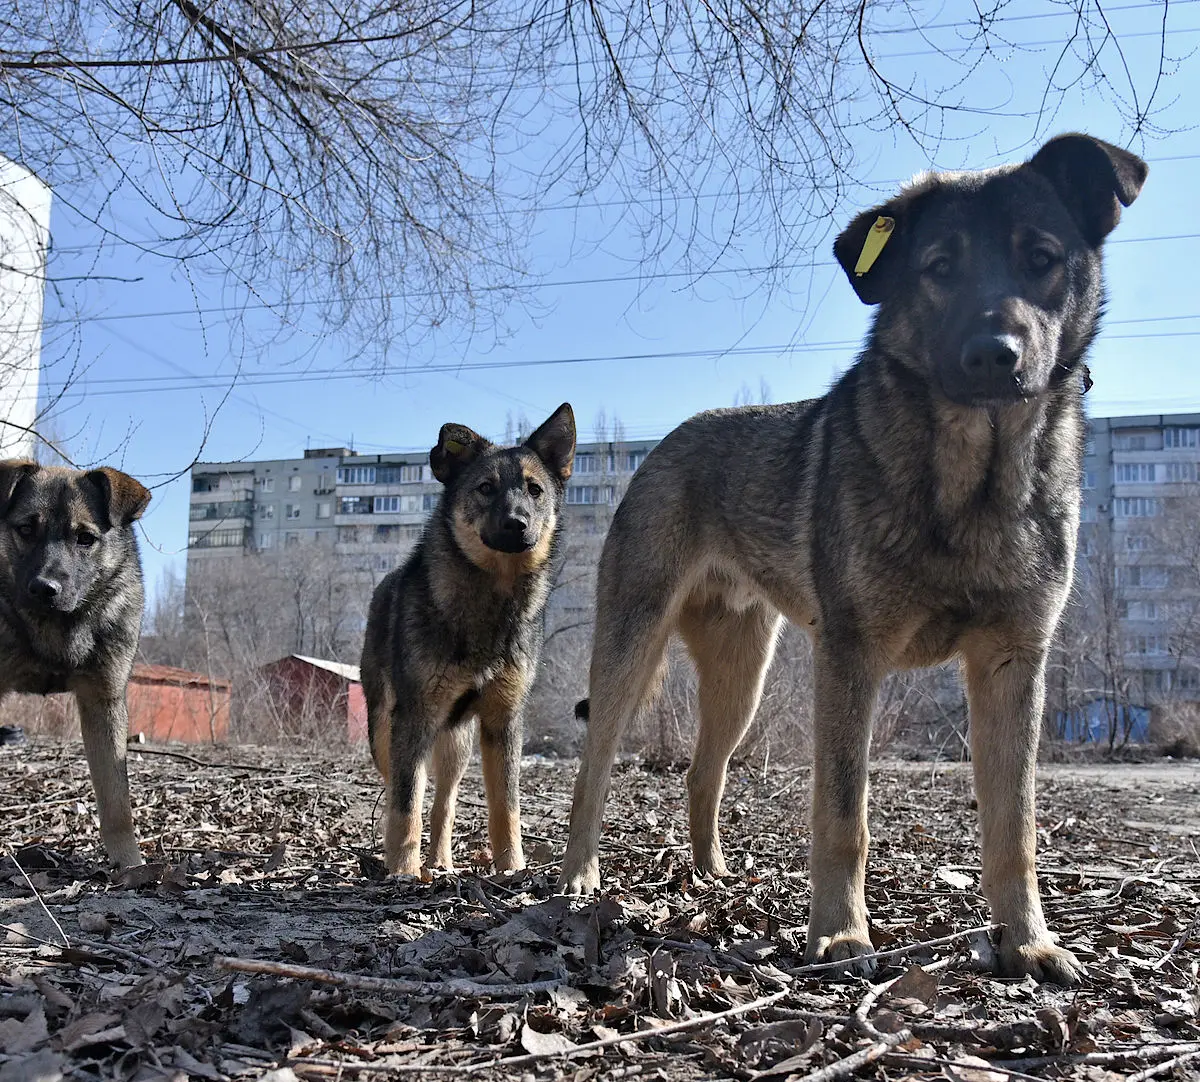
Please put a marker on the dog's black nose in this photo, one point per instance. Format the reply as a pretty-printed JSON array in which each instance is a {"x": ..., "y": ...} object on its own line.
[
  {"x": 990, "y": 356},
  {"x": 515, "y": 525},
  {"x": 44, "y": 589}
]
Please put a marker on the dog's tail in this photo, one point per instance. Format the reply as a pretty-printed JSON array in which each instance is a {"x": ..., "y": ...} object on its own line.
[{"x": 583, "y": 709}]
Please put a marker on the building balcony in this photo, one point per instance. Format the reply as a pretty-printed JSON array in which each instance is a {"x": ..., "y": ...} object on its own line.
[{"x": 221, "y": 509}]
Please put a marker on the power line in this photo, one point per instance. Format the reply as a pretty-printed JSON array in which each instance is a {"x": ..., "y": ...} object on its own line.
[
  {"x": 281, "y": 377},
  {"x": 563, "y": 283}
]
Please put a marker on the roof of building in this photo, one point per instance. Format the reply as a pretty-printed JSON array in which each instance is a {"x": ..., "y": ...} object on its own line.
[
  {"x": 346, "y": 672},
  {"x": 168, "y": 674}
]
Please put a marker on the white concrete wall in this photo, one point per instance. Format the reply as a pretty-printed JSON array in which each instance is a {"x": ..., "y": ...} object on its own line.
[{"x": 24, "y": 239}]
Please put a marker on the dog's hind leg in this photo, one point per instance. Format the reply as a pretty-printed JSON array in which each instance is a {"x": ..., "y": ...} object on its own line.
[
  {"x": 104, "y": 725},
  {"x": 628, "y": 658},
  {"x": 1006, "y": 688},
  {"x": 732, "y": 651},
  {"x": 451, "y": 753},
  {"x": 846, "y": 685}
]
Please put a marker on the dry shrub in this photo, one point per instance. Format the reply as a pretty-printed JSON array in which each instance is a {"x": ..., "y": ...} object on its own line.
[
  {"x": 54, "y": 717},
  {"x": 1175, "y": 729}
]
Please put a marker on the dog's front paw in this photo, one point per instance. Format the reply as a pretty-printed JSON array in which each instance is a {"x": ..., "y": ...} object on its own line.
[
  {"x": 1041, "y": 959},
  {"x": 580, "y": 881},
  {"x": 125, "y": 855},
  {"x": 855, "y": 951}
]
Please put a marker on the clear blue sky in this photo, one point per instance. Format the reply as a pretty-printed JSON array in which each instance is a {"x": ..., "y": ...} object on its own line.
[{"x": 135, "y": 336}]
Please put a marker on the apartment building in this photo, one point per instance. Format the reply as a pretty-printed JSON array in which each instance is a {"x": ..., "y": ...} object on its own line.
[
  {"x": 1141, "y": 503},
  {"x": 370, "y": 509}
]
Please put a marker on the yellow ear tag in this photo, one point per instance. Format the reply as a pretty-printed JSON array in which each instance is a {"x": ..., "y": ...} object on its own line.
[
  {"x": 879, "y": 235},
  {"x": 453, "y": 447}
]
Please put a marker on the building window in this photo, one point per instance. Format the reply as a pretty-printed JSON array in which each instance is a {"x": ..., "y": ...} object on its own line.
[
  {"x": 266, "y": 510},
  {"x": 1089, "y": 480},
  {"x": 324, "y": 509},
  {"x": 291, "y": 540},
  {"x": 1137, "y": 542},
  {"x": 1135, "y": 473},
  {"x": 1089, "y": 445},
  {"x": 356, "y": 475},
  {"x": 585, "y": 463},
  {"x": 1154, "y": 645},
  {"x": 215, "y": 539},
  {"x": 635, "y": 459},
  {"x": 205, "y": 484},
  {"x": 348, "y": 535},
  {"x": 1141, "y": 577},
  {"x": 1183, "y": 471},
  {"x": 1151, "y": 440},
  {"x": 1181, "y": 437},
  {"x": 354, "y": 505},
  {"x": 590, "y": 494},
  {"x": 1087, "y": 512},
  {"x": 294, "y": 483},
  {"x": 387, "y": 505},
  {"x": 266, "y": 540},
  {"x": 293, "y": 510},
  {"x": 1135, "y": 507},
  {"x": 429, "y": 501},
  {"x": 267, "y": 484}
]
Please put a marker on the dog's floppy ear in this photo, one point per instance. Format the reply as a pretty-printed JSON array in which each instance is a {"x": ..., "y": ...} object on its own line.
[
  {"x": 12, "y": 472},
  {"x": 871, "y": 249},
  {"x": 554, "y": 441},
  {"x": 1093, "y": 179},
  {"x": 123, "y": 497},
  {"x": 456, "y": 446}
]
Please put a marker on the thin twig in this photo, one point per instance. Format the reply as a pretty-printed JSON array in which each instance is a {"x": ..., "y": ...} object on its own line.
[
  {"x": 1179, "y": 943},
  {"x": 1104, "y": 1059},
  {"x": 850, "y": 1064},
  {"x": 628, "y": 1038},
  {"x": 1162, "y": 1068},
  {"x": 921, "y": 1063},
  {"x": 897, "y": 952},
  {"x": 451, "y": 987},
  {"x": 53, "y": 920},
  {"x": 141, "y": 749}
]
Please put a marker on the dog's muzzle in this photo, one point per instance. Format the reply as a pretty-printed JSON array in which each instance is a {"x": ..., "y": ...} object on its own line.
[{"x": 989, "y": 368}]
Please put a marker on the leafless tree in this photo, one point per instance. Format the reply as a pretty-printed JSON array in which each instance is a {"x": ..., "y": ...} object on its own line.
[{"x": 370, "y": 163}]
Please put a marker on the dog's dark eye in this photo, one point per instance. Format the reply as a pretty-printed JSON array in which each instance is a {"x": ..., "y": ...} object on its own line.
[
  {"x": 486, "y": 488},
  {"x": 1041, "y": 260},
  {"x": 535, "y": 490},
  {"x": 84, "y": 539},
  {"x": 26, "y": 530},
  {"x": 940, "y": 268}
]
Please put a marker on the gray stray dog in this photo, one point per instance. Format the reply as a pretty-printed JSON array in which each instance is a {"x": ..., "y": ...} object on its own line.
[
  {"x": 925, "y": 508},
  {"x": 71, "y": 612},
  {"x": 456, "y": 632}
]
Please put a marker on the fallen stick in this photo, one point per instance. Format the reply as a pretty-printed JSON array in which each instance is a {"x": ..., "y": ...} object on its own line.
[
  {"x": 142, "y": 749},
  {"x": 1104, "y": 1059},
  {"x": 537, "y": 1057},
  {"x": 1162, "y": 1068},
  {"x": 451, "y": 987},
  {"x": 895, "y": 952},
  {"x": 629, "y": 1038},
  {"x": 850, "y": 1064}
]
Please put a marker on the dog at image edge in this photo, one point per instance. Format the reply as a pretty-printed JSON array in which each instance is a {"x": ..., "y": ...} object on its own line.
[
  {"x": 71, "y": 612},
  {"x": 455, "y": 634},
  {"x": 925, "y": 508}
]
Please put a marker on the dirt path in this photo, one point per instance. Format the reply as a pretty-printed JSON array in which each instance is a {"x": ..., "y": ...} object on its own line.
[{"x": 273, "y": 859}]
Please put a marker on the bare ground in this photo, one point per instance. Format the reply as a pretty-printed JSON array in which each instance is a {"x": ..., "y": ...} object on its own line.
[{"x": 268, "y": 856}]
